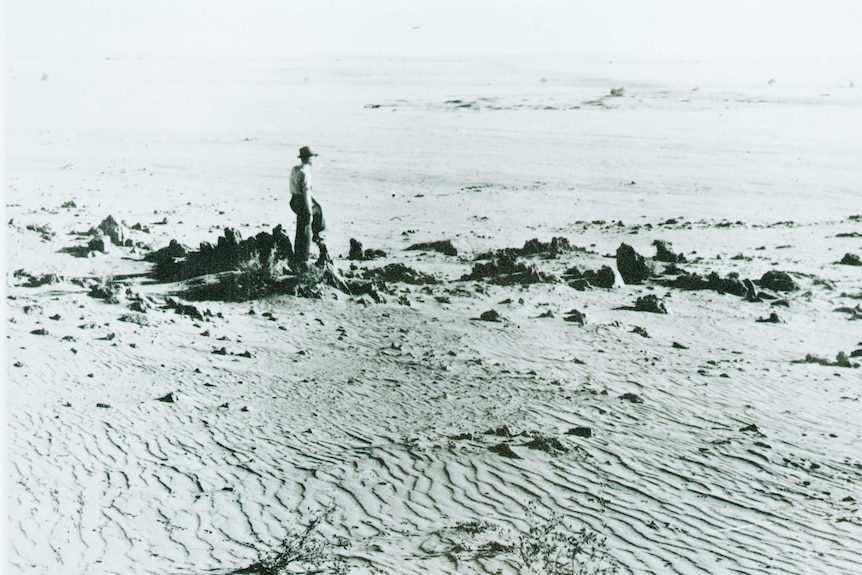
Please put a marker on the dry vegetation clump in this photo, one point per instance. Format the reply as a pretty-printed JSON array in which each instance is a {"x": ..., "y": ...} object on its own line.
[
  {"x": 302, "y": 551},
  {"x": 554, "y": 548}
]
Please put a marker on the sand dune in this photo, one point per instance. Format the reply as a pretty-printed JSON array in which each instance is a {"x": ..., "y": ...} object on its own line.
[{"x": 411, "y": 437}]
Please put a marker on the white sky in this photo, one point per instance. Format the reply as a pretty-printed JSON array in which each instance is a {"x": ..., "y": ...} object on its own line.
[{"x": 678, "y": 28}]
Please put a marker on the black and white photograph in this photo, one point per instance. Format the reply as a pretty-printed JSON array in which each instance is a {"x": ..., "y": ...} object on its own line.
[{"x": 498, "y": 287}]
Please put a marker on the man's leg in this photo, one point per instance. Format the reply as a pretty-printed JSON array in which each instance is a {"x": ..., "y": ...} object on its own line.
[{"x": 302, "y": 239}]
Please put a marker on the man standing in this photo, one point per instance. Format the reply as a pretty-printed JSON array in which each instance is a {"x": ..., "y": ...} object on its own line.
[{"x": 309, "y": 216}]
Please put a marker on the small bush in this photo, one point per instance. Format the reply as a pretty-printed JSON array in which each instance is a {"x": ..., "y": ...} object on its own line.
[
  {"x": 554, "y": 548},
  {"x": 304, "y": 551}
]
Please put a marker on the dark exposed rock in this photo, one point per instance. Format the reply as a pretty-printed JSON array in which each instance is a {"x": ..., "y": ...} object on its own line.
[
  {"x": 677, "y": 345},
  {"x": 633, "y": 397},
  {"x": 491, "y": 315},
  {"x": 174, "y": 250},
  {"x": 505, "y": 270},
  {"x": 575, "y": 316},
  {"x": 773, "y": 318},
  {"x": 603, "y": 278},
  {"x": 138, "y": 319},
  {"x": 502, "y": 431},
  {"x": 400, "y": 273},
  {"x": 580, "y": 432},
  {"x": 40, "y": 331},
  {"x": 109, "y": 227},
  {"x": 107, "y": 291},
  {"x": 650, "y": 303},
  {"x": 778, "y": 281},
  {"x": 33, "y": 281},
  {"x": 640, "y": 331},
  {"x": 231, "y": 252},
  {"x": 504, "y": 450},
  {"x": 841, "y": 360},
  {"x": 550, "y": 445},
  {"x": 360, "y": 287},
  {"x": 183, "y": 309},
  {"x": 444, "y": 247},
  {"x": 99, "y": 243},
  {"x": 169, "y": 398},
  {"x": 632, "y": 266},
  {"x": 534, "y": 247},
  {"x": 357, "y": 254},
  {"x": 664, "y": 252},
  {"x": 750, "y": 428},
  {"x": 730, "y": 284},
  {"x": 851, "y": 260}
]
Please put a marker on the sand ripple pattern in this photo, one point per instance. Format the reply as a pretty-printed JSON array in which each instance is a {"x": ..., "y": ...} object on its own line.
[{"x": 392, "y": 420}]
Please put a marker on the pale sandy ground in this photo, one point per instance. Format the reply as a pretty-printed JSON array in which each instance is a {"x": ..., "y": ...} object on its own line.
[{"x": 351, "y": 411}]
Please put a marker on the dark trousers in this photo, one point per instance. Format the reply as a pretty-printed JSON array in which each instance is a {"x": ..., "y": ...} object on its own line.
[{"x": 306, "y": 224}]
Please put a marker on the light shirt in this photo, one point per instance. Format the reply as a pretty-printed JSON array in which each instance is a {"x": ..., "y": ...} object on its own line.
[{"x": 300, "y": 180}]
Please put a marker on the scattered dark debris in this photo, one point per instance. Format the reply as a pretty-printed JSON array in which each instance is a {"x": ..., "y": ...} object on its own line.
[
  {"x": 692, "y": 281},
  {"x": 841, "y": 360},
  {"x": 44, "y": 231},
  {"x": 33, "y": 281}
]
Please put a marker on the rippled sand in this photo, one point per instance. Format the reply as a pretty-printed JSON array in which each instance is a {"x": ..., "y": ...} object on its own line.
[{"x": 380, "y": 425}]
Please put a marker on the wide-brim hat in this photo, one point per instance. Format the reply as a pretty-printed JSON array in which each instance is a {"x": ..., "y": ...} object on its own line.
[{"x": 305, "y": 152}]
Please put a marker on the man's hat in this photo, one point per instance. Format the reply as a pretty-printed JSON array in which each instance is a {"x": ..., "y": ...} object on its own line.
[{"x": 305, "y": 152}]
